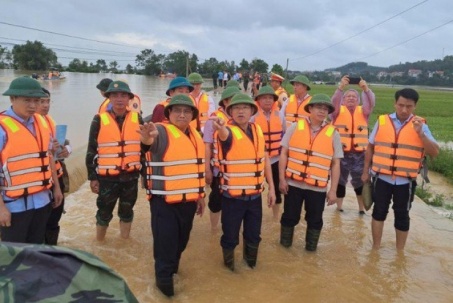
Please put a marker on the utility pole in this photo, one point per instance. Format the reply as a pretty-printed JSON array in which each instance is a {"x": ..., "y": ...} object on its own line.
[{"x": 286, "y": 69}]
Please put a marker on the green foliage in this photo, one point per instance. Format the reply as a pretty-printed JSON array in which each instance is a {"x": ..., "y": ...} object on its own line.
[
  {"x": 6, "y": 57},
  {"x": 278, "y": 69},
  {"x": 443, "y": 163},
  {"x": 150, "y": 63},
  {"x": 33, "y": 56},
  {"x": 423, "y": 194},
  {"x": 259, "y": 65}
]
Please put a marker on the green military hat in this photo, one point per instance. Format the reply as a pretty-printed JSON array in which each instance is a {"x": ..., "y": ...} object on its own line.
[
  {"x": 181, "y": 99},
  {"x": 103, "y": 85},
  {"x": 233, "y": 83},
  {"x": 195, "y": 78},
  {"x": 179, "y": 82},
  {"x": 242, "y": 98},
  {"x": 25, "y": 87},
  {"x": 119, "y": 86},
  {"x": 266, "y": 90},
  {"x": 228, "y": 93},
  {"x": 301, "y": 79},
  {"x": 320, "y": 99}
]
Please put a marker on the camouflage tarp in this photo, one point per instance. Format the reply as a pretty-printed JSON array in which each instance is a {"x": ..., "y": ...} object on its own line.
[{"x": 40, "y": 273}]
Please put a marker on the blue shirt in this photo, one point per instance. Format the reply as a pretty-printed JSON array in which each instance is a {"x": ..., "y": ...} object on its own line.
[
  {"x": 33, "y": 201},
  {"x": 398, "y": 125}
]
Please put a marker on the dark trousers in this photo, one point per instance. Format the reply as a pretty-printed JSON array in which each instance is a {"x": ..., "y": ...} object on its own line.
[
  {"x": 314, "y": 207},
  {"x": 276, "y": 179},
  {"x": 53, "y": 224},
  {"x": 109, "y": 193},
  {"x": 171, "y": 225},
  {"x": 234, "y": 213},
  {"x": 28, "y": 226},
  {"x": 401, "y": 195}
]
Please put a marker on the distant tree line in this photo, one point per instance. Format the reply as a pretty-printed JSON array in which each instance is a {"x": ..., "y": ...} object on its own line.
[{"x": 34, "y": 56}]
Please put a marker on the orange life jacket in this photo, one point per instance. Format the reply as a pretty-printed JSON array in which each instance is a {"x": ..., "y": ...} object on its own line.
[
  {"x": 280, "y": 90},
  {"x": 25, "y": 158},
  {"x": 203, "y": 109},
  {"x": 135, "y": 105},
  {"x": 53, "y": 127},
  {"x": 353, "y": 129},
  {"x": 181, "y": 177},
  {"x": 242, "y": 168},
  {"x": 397, "y": 154},
  {"x": 272, "y": 130},
  {"x": 309, "y": 160},
  {"x": 118, "y": 150},
  {"x": 294, "y": 112},
  {"x": 103, "y": 106}
]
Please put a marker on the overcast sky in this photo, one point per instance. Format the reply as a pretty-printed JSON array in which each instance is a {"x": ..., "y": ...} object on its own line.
[{"x": 314, "y": 35}]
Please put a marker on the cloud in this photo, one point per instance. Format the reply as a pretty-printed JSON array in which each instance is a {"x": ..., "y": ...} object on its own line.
[{"x": 313, "y": 35}]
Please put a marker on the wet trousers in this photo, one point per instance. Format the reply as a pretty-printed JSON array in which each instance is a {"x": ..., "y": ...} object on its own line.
[{"x": 170, "y": 225}]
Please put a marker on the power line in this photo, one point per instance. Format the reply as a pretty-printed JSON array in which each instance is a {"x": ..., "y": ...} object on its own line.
[
  {"x": 410, "y": 39},
  {"x": 64, "y": 35},
  {"x": 359, "y": 33},
  {"x": 76, "y": 48}
]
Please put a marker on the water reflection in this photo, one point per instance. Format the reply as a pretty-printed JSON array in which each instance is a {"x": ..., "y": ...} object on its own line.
[{"x": 344, "y": 269}]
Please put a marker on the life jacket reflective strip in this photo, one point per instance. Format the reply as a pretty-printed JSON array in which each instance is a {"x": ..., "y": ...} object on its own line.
[
  {"x": 397, "y": 154},
  {"x": 215, "y": 153},
  {"x": 272, "y": 130},
  {"x": 203, "y": 109},
  {"x": 309, "y": 160},
  {"x": 118, "y": 150},
  {"x": 182, "y": 173},
  {"x": 242, "y": 168},
  {"x": 353, "y": 129},
  {"x": 25, "y": 158},
  {"x": 294, "y": 112},
  {"x": 52, "y": 124},
  {"x": 135, "y": 105}
]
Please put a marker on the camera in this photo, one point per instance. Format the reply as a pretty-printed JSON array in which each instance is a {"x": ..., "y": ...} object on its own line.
[{"x": 354, "y": 80}]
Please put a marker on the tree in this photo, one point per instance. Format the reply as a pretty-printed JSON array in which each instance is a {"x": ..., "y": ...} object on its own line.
[
  {"x": 129, "y": 69},
  {"x": 33, "y": 56},
  {"x": 258, "y": 65},
  {"x": 5, "y": 57},
  {"x": 150, "y": 63},
  {"x": 244, "y": 65},
  {"x": 177, "y": 62},
  {"x": 78, "y": 66},
  {"x": 278, "y": 69},
  {"x": 101, "y": 65},
  {"x": 113, "y": 67},
  {"x": 209, "y": 66}
]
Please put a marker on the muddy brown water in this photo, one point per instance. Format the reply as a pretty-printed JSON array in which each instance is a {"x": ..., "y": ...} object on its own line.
[{"x": 344, "y": 268}]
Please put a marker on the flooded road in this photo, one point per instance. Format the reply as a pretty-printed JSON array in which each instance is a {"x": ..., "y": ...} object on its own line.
[{"x": 344, "y": 268}]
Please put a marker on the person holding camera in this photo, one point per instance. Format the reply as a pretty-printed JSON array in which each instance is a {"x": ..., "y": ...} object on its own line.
[{"x": 350, "y": 118}]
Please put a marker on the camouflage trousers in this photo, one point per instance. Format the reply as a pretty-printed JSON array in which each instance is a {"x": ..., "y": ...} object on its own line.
[{"x": 109, "y": 193}]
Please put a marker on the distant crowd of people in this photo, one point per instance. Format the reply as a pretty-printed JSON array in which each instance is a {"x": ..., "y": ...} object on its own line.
[{"x": 303, "y": 148}]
